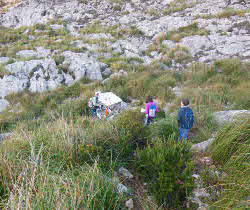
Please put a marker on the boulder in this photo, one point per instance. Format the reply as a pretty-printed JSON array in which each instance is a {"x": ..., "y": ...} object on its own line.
[
  {"x": 83, "y": 64},
  {"x": 26, "y": 53},
  {"x": 125, "y": 173},
  {"x": 3, "y": 104},
  {"x": 36, "y": 75},
  {"x": 10, "y": 83},
  {"x": 202, "y": 146},
  {"x": 224, "y": 117},
  {"x": 205, "y": 161},
  {"x": 4, "y": 60},
  {"x": 129, "y": 204}
]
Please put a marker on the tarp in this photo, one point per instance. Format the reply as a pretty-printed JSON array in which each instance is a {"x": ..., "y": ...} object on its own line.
[{"x": 108, "y": 99}]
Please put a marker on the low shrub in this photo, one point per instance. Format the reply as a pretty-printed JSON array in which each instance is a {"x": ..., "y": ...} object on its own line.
[
  {"x": 186, "y": 31},
  {"x": 167, "y": 168},
  {"x": 163, "y": 128},
  {"x": 131, "y": 123},
  {"x": 229, "y": 12}
]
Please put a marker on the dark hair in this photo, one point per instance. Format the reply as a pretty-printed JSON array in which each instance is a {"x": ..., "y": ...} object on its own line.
[
  {"x": 185, "y": 101},
  {"x": 149, "y": 99}
]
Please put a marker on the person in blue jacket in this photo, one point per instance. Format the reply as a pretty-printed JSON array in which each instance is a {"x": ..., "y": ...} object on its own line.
[{"x": 185, "y": 119}]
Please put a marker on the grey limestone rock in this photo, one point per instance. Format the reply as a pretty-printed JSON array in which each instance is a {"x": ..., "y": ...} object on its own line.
[
  {"x": 82, "y": 64},
  {"x": 125, "y": 173},
  {"x": 36, "y": 75},
  {"x": 129, "y": 204},
  {"x": 56, "y": 27},
  {"x": 224, "y": 117},
  {"x": 100, "y": 36},
  {"x": 26, "y": 53},
  {"x": 10, "y": 83},
  {"x": 202, "y": 146},
  {"x": 4, "y": 135},
  {"x": 4, "y": 60},
  {"x": 3, "y": 104},
  {"x": 169, "y": 43}
]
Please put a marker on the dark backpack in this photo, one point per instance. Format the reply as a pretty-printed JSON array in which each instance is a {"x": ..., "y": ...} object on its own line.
[{"x": 188, "y": 119}]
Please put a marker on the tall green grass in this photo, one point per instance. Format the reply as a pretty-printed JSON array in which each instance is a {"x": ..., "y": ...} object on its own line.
[
  {"x": 47, "y": 168},
  {"x": 230, "y": 151},
  {"x": 222, "y": 85}
]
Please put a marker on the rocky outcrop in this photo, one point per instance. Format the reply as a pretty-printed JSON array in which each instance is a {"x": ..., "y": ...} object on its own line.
[
  {"x": 224, "y": 117},
  {"x": 134, "y": 27},
  {"x": 202, "y": 146},
  {"x": 83, "y": 64},
  {"x": 39, "y": 53},
  {"x": 3, "y": 104},
  {"x": 35, "y": 75}
]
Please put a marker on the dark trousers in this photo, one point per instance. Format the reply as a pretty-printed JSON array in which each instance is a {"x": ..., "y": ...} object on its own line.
[
  {"x": 150, "y": 120},
  {"x": 93, "y": 113}
]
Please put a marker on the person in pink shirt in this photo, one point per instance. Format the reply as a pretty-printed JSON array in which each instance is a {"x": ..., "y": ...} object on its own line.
[{"x": 150, "y": 109}]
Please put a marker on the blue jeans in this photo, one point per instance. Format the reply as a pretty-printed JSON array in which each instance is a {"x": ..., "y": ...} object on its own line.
[
  {"x": 183, "y": 133},
  {"x": 93, "y": 113}
]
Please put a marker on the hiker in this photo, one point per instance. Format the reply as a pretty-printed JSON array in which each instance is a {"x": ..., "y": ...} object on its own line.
[
  {"x": 93, "y": 105},
  {"x": 150, "y": 109},
  {"x": 185, "y": 119}
]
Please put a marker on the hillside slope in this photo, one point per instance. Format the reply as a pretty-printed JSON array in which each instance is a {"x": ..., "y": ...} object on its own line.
[{"x": 45, "y": 44}]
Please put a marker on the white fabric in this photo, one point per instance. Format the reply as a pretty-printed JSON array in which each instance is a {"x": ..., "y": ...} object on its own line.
[{"x": 108, "y": 99}]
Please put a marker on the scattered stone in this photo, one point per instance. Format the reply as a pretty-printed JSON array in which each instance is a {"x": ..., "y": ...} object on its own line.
[
  {"x": 196, "y": 176},
  {"x": 41, "y": 52},
  {"x": 31, "y": 37},
  {"x": 4, "y": 136},
  {"x": 106, "y": 72},
  {"x": 125, "y": 173},
  {"x": 26, "y": 53},
  {"x": 121, "y": 189},
  {"x": 200, "y": 193},
  {"x": 205, "y": 161},
  {"x": 169, "y": 43},
  {"x": 3, "y": 104},
  {"x": 202, "y": 146},
  {"x": 135, "y": 102},
  {"x": 177, "y": 91},
  {"x": 121, "y": 73},
  {"x": 4, "y": 60},
  {"x": 115, "y": 174},
  {"x": 105, "y": 81},
  {"x": 56, "y": 27},
  {"x": 129, "y": 204},
  {"x": 100, "y": 36}
]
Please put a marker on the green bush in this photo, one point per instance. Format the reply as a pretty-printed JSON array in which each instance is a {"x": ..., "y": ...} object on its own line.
[
  {"x": 163, "y": 128},
  {"x": 167, "y": 168},
  {"x": 131, "y": 123}
]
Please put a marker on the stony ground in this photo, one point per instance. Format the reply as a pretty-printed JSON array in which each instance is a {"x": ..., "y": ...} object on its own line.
[{"x": 49, "y": 43}]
